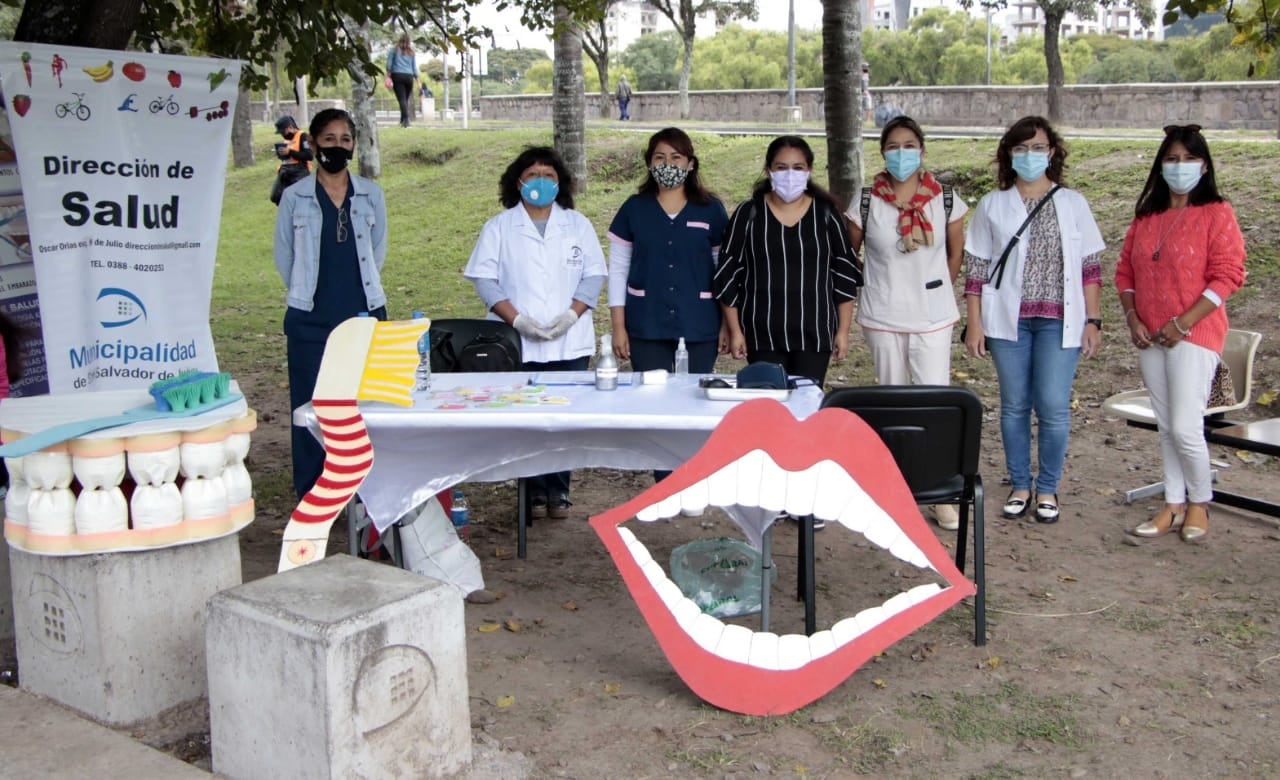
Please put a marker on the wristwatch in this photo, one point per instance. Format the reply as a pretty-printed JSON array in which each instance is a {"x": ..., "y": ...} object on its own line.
[{"x": 1094, "y": 321}]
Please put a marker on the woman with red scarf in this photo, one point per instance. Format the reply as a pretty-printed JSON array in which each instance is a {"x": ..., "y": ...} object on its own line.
[{"x": 913, "y": 230}]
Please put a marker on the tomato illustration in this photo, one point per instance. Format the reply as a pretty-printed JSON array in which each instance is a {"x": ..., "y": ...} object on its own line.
[
  {"x": 175, "y": 79},
  {"x": 21, "y": 104},
  {"x": 134, "y": 71}
]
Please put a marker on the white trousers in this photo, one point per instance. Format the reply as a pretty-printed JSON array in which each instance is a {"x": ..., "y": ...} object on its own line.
[
  {"x": 911, "y": 358},
  {"x": 1178, "y": 379}
]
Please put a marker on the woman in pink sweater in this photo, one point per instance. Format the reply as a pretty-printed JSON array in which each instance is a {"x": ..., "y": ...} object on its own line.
[{"x": 1182, "y": 258}]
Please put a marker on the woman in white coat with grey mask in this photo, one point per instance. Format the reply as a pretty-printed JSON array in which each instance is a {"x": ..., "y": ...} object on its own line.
[
  {"x": 538, "y": 266},
  {"x": 1032, "y": 291}
]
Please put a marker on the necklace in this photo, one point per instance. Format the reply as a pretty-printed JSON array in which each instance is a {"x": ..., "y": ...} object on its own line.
[{"x": 1155, "y": 254}]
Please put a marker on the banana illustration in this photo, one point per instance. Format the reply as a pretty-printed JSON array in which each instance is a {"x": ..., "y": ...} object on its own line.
[{"x": 101, "y": 72}]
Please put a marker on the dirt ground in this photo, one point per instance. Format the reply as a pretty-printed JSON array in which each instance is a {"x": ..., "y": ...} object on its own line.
[{"x": 1106, "y": 656}]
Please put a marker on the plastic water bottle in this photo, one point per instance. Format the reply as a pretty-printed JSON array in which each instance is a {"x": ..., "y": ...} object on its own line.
[
  {"x": 460, "y": 514},
  {"x": 682, "y": 358},
  {"x": 422, "y": 375},
  {"x": 607, "y": 365}
]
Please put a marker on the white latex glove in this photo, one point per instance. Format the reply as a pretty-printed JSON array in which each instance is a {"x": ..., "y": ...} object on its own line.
[
  {"x": 530, "y": 328},
  {"x": 560, "y": 325}
]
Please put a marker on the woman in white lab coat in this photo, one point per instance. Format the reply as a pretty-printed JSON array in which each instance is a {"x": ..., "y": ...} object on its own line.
[{"x": 538, "y": 266}]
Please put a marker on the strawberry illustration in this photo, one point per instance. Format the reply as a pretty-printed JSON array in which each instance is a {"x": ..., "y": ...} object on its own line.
[
  {"x": 21, "y": 104},
  {"x": 175, "y": 79}
]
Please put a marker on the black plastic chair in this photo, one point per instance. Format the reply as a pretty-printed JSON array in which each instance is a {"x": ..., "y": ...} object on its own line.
[
  {"x": 935, "y": 435},
  {"x": 448, "y": 338}
]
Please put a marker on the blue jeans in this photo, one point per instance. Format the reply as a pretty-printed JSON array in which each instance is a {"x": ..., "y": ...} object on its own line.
[{"x": 1035, "y": 373}]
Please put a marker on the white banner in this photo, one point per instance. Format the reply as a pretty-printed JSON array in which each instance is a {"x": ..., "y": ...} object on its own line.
[{"x": 122, "y": 157}]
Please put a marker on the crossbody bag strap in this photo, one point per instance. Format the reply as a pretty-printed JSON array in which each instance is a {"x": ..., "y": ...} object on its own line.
[{"x": 997, "y": 271}]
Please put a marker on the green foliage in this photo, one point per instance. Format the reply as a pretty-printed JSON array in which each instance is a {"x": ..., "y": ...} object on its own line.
[
  {"x": 509, "y": 65},
  {"x": 540, "y": 75},
  {"x": 737, "y": 58},
  {"x": 655, "y": 61}
]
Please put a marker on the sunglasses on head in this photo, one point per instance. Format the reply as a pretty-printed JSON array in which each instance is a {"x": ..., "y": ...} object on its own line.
[{"x": 1171, "y": 129}]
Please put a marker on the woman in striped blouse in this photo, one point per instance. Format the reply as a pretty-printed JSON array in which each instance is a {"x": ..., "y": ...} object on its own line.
[{"x": 787, "y": 276}]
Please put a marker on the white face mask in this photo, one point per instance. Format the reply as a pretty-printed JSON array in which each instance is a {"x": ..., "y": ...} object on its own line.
[
  {"x": 1182, "y": 177},
  {"x": 789, "y": 184}
]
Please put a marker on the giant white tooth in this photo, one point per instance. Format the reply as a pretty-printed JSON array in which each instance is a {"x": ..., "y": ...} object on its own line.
[
  {"x": 846, "y": 631},
  {"x": 793, "y": 651},
  {"x": 686, "y": 612},
  {"x": 750, "y": 467},
  {"x": 653, "y": 570},
  {"x": 857, "y": 513},
  {"x": 640, "y": 553},
  {"x": 822, "y": 643},
  {"x": 648, "y": 514},
  {"x": 694, "y": 498},
  {"x": 669, "y": 593},
  {"x": 722, "y": 486},
  {"x": 833, "y": 490},
  {"x": 773, "y": 486},
  {"x": 882, "y": 532},
  {"x": 897, "y": 604},
  {"x": 706, "y": 631},
  {"x": 869, "y": 619},
  {"x": 918, "y": 559},
  {"x": 801, "y": 488},
  {"x": 628, "y": 538},
  {"x": 922, "y": 593},
  {"x": 669, "y": 507},
  {"x": 735, "y": 643},
  {"x": 764, "y": 650},
  {"x": 903, "y": 549}
]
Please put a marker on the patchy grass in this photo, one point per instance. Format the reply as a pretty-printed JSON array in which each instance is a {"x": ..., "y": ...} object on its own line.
[
  {"x": 706, "y": 760},
  {"x": 865, "y": 747},
  {"x": 1007, "y": 716}
]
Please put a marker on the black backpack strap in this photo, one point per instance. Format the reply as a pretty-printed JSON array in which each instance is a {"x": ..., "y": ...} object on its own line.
[
  {"x": 864, "y": 210},
  {"x": 948, "y": 199}
]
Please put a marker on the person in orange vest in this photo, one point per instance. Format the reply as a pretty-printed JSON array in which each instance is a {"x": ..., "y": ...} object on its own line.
[{"x": 295, "y": 156}]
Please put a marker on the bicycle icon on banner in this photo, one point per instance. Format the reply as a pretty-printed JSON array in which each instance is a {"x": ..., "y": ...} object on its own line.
[
  {"x": 77, "y": 107},
  {"x": 168, "y": 105}
]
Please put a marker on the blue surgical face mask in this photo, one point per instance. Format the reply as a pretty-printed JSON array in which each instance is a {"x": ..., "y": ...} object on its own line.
[
  {"x": 540, "y": 191},
  {"x": 901, "y": 163},
  {"x": 1030, "y": 165},
  {"x": 1182, "y": 177}
]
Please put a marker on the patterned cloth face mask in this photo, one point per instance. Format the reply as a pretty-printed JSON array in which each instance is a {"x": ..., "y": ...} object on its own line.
[{"x": 667, "y": 176}]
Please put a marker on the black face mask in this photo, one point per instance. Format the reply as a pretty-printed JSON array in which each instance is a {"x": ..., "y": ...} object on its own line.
[
  {"x": 333, "y": 159},
  {"x": 289, "y": 134}
]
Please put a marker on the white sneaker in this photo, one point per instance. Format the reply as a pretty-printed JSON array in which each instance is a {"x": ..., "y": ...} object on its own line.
[{"x": 946, "y": 516}]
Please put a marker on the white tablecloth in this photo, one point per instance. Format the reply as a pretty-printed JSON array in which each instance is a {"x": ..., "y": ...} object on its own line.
[{"x": 422, "y": 450}]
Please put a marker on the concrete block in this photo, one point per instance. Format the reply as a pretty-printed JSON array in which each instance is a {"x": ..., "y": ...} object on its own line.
[
  {"x": 118, "y": 637},
  {"x": 339, "y": 669},
  {"x": 8, "y": 652}
]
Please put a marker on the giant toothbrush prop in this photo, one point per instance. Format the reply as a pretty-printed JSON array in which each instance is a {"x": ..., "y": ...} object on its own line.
[
  {"x": 364, "y": 360},
  {"x": 831, "y": 465}
]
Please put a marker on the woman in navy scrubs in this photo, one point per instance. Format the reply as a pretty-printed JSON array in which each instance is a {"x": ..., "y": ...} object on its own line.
[{"x": 663, "y": 245}]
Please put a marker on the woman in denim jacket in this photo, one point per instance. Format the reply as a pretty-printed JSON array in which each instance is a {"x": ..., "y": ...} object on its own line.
[{"x": 330, "y": 243}]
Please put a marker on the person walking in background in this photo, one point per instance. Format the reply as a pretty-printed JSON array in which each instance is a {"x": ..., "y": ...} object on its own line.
[
  {"x": 402, "y": 67},
  {"x": 866, "y": 94},
  {"x": 1183, "y": 257},
  {"x": 624, "y": 98},
  {"x": 330, "y": 244},
  {"x": 1033, "y": 295},
  {"x": 787, "y": 276},
  {"x": 911, "y": 229},
  {"x": 538, "y": 267},
  {"x": 294, "y": 154}
]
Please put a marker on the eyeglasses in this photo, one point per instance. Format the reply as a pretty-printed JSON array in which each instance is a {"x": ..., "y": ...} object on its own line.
[
  {"x": 342, "y": 225},
  {"x": 1037, "y": 148},
  {"x": 1171, "y": 129}
]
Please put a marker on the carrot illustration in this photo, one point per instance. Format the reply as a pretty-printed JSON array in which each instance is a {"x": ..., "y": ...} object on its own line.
[
  {"x": 387, "y": 353},
  {"x": 26, "y": 65}
]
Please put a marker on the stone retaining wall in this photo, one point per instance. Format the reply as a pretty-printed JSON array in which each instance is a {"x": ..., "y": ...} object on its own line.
[{"x": 1253, "y": 105}]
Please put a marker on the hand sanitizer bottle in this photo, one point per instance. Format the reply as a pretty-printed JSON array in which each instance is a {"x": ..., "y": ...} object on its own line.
[
  {"x": 682, "y": 358},
  {"x": 606, "y": 365}
]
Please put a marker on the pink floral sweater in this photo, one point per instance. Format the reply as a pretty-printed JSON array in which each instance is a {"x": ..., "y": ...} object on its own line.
[{"x": 1200, "y": 248}]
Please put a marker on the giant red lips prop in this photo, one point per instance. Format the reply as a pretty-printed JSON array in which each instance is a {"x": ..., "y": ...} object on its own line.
[{"x": 833, "y": 466}]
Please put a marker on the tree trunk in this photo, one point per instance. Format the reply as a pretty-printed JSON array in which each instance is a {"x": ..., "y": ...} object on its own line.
[
  {"x": 242, "y": 130},
  {"x": 686, "y": 67},
  {"x": 363, "y": 111},
  {"x": 842, "y": 95},
  {"x": 569, "y": 99},
  {"x": 274, "y": 109},
  {"x": 1053, "y": 62},
  {"x": 102, "y": 24},
  {"x": 596, "y": 47}
]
